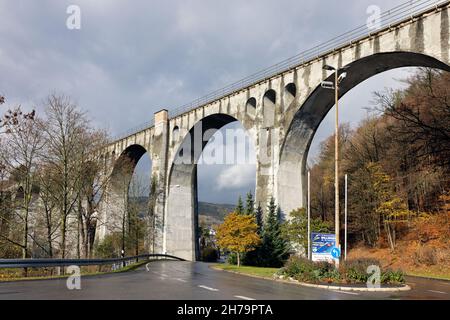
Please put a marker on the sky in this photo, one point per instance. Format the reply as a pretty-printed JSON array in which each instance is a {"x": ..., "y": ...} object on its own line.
[{"x": 130, "y": 59}]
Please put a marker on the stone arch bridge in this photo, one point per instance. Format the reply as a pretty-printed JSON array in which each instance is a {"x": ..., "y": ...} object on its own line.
[{"x": 280, "y": 112}]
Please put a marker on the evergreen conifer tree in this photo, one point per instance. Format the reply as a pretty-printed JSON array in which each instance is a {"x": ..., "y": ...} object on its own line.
[
  {"x": 250, "y": 204},
  {"x": 274, "y": 249},
  {"x": 240, "y": 206}
]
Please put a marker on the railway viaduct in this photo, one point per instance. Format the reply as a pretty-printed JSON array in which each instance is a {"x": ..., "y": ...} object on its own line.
[{"x": 280, "y": 108}]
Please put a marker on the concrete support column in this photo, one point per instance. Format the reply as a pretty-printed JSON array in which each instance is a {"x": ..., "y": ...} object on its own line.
[
  {"x": 291, "y": 181},
  {"x": 267, "y": 154},
  {"x": 280, "y": 177},
  {"x": 181, "y": 213},
  {"x": 158, "y": 178}
]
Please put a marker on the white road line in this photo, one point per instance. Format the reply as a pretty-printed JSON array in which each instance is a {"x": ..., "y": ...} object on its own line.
[
  {"x": 435, "y": 291},
  {"x": 244, "y": 298},
  {"x": 181, "y": 280},
  {"x": 208, "y": 288},
  {"x": 346, "y": 292}
]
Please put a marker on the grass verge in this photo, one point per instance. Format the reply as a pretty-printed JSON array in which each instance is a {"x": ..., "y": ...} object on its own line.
[
  {"x": 253, "y": 271},
  {"x": 125, "y": 269},
  {"x": 430, "y": 275}
]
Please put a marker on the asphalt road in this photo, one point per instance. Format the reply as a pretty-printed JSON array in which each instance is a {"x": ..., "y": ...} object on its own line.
[{"x": 196, "y": 281}]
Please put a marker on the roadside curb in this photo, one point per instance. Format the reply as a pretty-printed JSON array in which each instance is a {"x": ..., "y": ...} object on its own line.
[
  {"x": 345, "y": 288},
  {"x": 427, "y": 278},
  {"x": 321, "y": 286}
]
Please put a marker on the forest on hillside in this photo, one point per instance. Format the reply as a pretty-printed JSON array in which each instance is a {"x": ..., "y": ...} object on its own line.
[{"x": 398, "y": 163}]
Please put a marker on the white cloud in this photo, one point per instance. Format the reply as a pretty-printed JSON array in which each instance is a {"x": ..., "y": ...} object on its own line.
[
  {"x": 131, "y": 59},
  {"x": 234, "y": 177}
]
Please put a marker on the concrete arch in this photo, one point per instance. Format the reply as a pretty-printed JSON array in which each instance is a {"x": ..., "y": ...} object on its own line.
[
  {"x": 290, "y": 92},
  {"x": 309, "y": 115},
  {"x": 269, "y": 108},
  {"x": 181, "y": 216},
  {"x": 127, "y": 161},
  {"x": 116, "y": 198},
  {"x": 175, "y": 134},
  {"x": 250, "y": 107}
]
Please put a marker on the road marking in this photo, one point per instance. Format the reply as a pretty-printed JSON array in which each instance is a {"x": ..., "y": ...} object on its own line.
[
  {"x": 346, "y": 292},
  {"x": 208, "y": 288},
  {"x": 147, "y": 267},
  {"x": 181, "y": 280},
  {"x": 244, "y": 298},
  {"x": 435, "y": 291}
]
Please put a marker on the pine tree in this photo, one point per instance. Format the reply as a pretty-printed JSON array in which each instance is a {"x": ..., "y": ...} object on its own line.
[
  {"x": 253, "y": 258},
  {"x": 250, "y": 204},
  {"x": 259, "y": 218},
  {"x": 240, "y": 206},
  {"x": 275, "y": 249}
]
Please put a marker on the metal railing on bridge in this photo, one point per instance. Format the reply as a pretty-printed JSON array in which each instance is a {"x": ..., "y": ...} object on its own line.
[
  {"x": 44, "y": 263},
  {"x": 403, "y": 12}
]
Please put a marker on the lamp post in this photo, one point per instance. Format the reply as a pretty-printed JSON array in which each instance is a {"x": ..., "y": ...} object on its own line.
[{"x": 335, "y": 86}]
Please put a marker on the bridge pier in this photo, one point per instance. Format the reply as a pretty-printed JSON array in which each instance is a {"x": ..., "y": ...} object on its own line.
[{"x": 158, "y": 183}]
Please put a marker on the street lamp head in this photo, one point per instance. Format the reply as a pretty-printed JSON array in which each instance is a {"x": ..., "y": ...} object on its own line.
[
  {"x": 342, "y": 76},
  {"x": 327, "y": 85},
  {"x": 328, "y": 67}
]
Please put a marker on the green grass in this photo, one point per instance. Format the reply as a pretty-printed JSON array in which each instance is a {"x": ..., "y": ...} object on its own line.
[
  {"x": 428, "y": 274},
  {"x": 254, "y": 271},
  {"x": 125, "y": 269}
]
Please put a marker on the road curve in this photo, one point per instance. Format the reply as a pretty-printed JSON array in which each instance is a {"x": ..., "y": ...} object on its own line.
[{"x": 174, "y": 280}]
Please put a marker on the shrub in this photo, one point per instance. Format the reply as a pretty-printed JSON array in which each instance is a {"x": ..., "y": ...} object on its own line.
[
  {"x": 232, "y": 258},
  {"x": 9, "y": 251},
  {"x": 392, "y": 277},
  {"x": 296, "y": 265},
  {"x": 425, "y": 255},
  {"x": 356, "y": 270},
  {"x": 303, "y": 269},
  {"x": 209, "y": 254},
  {"x": 352, "y": 271},
  {"x": 109, "y": 247}
]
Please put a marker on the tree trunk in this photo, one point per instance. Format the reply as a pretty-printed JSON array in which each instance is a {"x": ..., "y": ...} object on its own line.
[
  {"x": 63, "y": 237},
  {"x": 49, "y": 233},
  {"x": 238, "y": 259}
]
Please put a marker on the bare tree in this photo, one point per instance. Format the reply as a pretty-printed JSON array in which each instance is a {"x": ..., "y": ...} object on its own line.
[
  {"x": 13, "y": 117},
  {"x": 137, "y": 212},
  {"x": 422, "y": 114},
  {"x": 23, "y": 143},
  {"x": 92, "y": 183},
  {"x": 51, "y": 217},
  {"x": 64, "y": 133}
]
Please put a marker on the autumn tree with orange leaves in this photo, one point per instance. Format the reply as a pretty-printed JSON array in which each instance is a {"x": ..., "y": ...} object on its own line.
[{"x": 238, "y": 233}]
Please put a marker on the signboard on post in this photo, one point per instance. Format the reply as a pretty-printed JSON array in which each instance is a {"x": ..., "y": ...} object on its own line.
[{"x": 322, "y": 247}]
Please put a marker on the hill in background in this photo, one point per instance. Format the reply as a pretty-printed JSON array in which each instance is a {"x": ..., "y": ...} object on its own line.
[
  {"x": 213, "y": 213},
  {"x": 208, "y": 213}
]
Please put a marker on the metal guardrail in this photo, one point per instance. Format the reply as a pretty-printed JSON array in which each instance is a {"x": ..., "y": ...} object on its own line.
[
  {"x": 403, "y": 12},
  {"x": 134, "y": 130},
  {"x": 41, "y": 263}
]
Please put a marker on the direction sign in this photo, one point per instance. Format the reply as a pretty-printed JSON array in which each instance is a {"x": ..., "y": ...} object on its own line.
[{"x": 336, "y": 253}]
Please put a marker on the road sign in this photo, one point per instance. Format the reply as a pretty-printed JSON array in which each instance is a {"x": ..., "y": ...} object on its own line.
[
  {"x": 322, "y": 244},
  {"x": 336, "y": 253}
]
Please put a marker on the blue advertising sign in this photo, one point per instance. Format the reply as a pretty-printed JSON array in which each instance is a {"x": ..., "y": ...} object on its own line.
[{"x": 322, "y": 246}]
